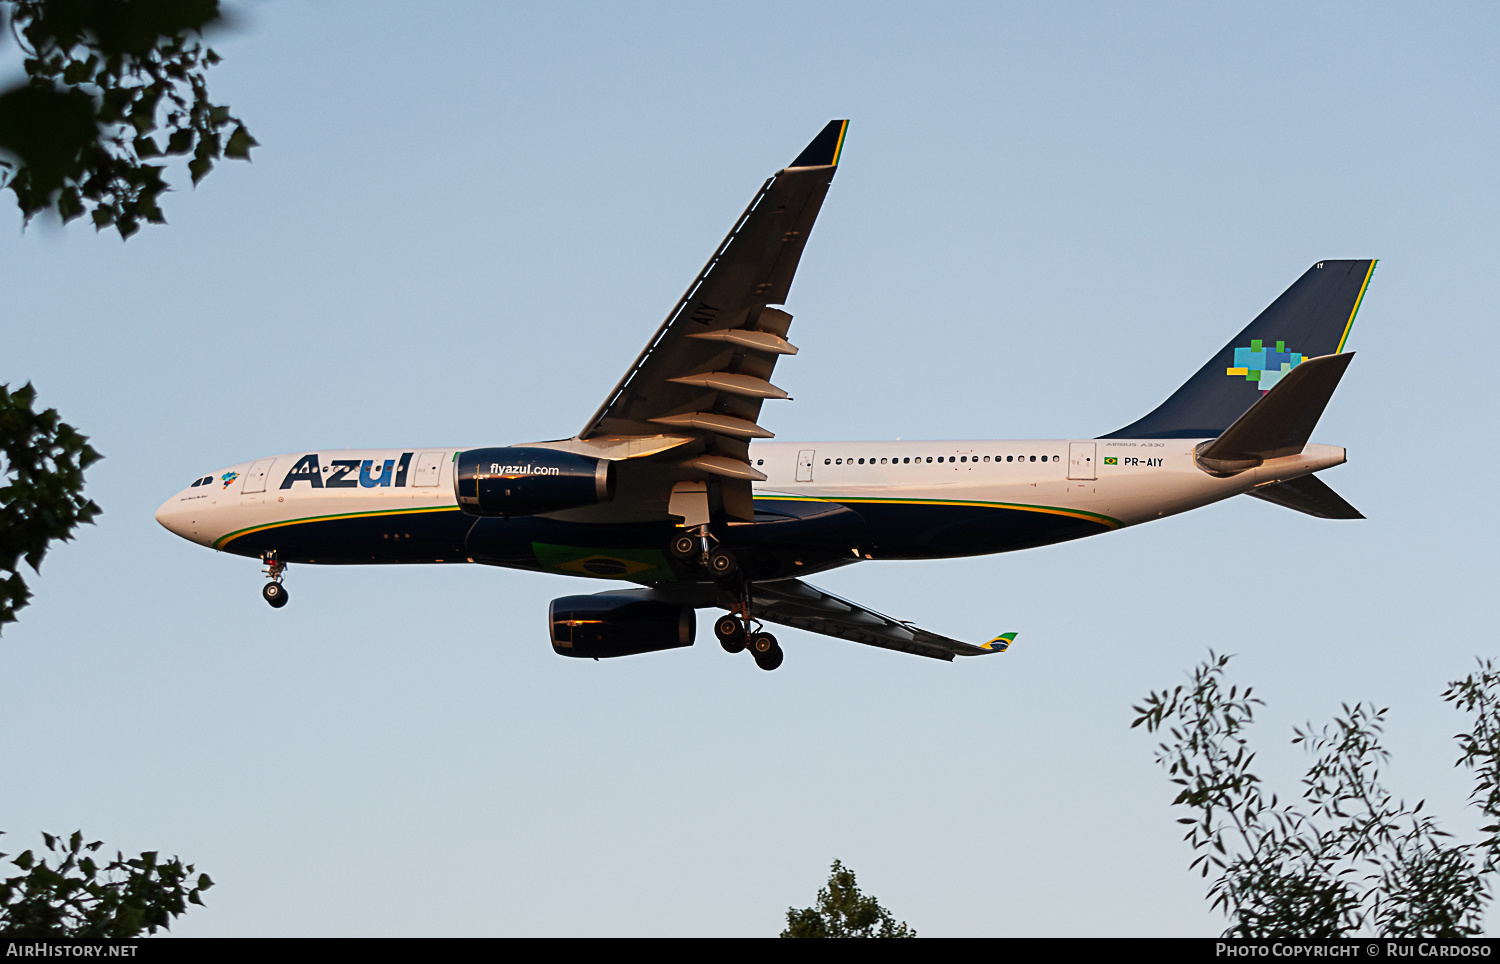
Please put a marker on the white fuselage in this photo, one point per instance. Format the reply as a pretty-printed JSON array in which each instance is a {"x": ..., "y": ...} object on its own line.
[{"x": 1116, "y": 482}]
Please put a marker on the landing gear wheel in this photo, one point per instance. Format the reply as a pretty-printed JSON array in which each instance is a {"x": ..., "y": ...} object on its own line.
[
  {"x": 275, "y": 594},
  {"x": 730, "y": 633},
  {"x": 721, "y": 563},
  {"x": 684, "y": 548},
  {"x": 767, "y": 653}
]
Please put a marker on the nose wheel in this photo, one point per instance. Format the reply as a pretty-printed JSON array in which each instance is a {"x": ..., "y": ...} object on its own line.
[{"x": 274, "y": 592}]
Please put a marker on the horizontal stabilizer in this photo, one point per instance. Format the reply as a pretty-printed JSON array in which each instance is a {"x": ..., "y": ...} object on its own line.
[
  {"x": 1308, "y": 494},
  {"x": 1281, "y": 422}
]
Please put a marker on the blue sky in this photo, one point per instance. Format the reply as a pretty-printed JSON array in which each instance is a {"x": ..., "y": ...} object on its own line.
[{"x": 460, "y": 229}]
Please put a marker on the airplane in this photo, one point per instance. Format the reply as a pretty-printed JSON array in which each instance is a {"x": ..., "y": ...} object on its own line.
[{"x": 675, "y": 489}]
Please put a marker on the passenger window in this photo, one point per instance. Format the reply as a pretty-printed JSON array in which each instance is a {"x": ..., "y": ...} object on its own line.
[
  {"x": 861, "y": 461},
  {"x": 828, "y": 461},
  {"x": 1033, "y": 458},
  {"x": 986, "y": 458},
  {"x": 906, "y": 460},
  {"x": 760, "y": 461}
]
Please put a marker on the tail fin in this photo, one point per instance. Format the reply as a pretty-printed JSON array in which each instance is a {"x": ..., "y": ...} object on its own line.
[{"x": 1311, "y": 318}]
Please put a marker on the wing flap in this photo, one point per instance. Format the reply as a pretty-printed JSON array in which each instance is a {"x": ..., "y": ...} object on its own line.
[
  {"x": 706, "y": 372},
  {"x": 722, "y": 325}
]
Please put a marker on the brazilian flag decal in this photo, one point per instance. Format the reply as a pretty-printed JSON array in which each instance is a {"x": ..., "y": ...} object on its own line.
[
  {"x": 637, "y": 565},
  {"x": 1111, "y": 460}
]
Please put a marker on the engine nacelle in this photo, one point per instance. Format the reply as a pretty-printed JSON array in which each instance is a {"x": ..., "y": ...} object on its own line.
[
  {"x": 527, "y": 481},
  {"x": 595, "y": 627}
]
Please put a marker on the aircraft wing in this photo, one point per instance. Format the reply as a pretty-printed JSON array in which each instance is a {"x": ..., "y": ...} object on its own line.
[
  {"x": 792, "y": 602},
  {"x": 706, "y": 371}
]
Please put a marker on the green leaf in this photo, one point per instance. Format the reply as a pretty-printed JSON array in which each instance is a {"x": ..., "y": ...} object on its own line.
[
  {"x": 240, "y": 143},
  {"x": 199, "y": 167},
  {"x": 180, "y": 141}
]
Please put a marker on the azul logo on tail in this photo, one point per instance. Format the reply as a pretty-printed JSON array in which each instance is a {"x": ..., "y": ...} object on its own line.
[{"x": 1264, "y": 365}]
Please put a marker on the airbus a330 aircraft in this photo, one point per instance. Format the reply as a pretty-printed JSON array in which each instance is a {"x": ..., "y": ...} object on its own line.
[{"x": 673, "y": 485}]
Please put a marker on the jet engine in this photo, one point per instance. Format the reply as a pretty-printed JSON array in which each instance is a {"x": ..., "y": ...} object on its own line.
[
  {"x": 618, "y": 625},
  {"x": 528, "y": 481}
]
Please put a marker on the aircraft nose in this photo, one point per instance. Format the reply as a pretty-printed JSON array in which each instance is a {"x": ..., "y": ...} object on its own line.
[{"x": 178, "y": 518}]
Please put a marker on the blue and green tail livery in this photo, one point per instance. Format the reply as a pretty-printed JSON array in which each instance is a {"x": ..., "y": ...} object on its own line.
[{"x": 1311, "y": 318}]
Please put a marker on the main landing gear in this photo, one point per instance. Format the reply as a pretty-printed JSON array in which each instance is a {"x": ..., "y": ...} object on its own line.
[
  {"x": 274, "y": 592},
  {"x": 734, "y": 632},
  {"x": 699, "y": 547}
]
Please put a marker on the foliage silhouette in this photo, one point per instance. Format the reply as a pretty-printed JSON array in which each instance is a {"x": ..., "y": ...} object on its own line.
[
  {"x": 1348, "y": 858},
  {"x": 842, "y": 911},
  {"x": 105, "y": 79},
  {"x": 79, "y": 899},
  {"x": 42, "y": 459}
]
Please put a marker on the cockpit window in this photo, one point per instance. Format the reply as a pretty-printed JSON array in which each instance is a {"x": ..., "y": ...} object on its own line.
[{"x": 196, "y": 483}]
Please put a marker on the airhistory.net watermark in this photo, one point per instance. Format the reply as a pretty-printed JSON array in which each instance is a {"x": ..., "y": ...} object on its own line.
[{"x": 44, "y": 949}]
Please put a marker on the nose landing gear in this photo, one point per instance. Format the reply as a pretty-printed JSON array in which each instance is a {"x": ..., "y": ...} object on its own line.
[{"x": 274, "y": 592}]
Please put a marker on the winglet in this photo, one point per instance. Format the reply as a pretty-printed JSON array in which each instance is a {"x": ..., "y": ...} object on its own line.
[
  {"x": 1000, "y": 643},
  {"x": 825, "y": 148}
]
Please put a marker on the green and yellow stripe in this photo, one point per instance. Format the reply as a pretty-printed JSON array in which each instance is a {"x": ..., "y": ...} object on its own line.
[
  {"x": 1350, "y": 323},
  {"x": 1109, "y": 521},
  {"x": 839, "y": 147}
]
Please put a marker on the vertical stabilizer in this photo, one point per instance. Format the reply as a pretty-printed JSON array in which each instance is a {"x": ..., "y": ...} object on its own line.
[{"x": 1310, "y": 319}]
